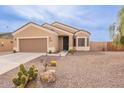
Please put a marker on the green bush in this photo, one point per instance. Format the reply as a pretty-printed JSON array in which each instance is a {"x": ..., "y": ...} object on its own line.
[
  {"x": 24, "y": 76},
  {"x": 72, "y": 51},
  {"x": 50, "y": 52}
]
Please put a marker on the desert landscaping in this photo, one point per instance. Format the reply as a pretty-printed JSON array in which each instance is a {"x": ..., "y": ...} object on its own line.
[
  {"x": 82, "y": 69},
  {"x": 65, "y": 54}
]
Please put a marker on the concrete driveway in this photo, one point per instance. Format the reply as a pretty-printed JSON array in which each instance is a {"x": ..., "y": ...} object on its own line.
[{"x": 10, "y": 61}]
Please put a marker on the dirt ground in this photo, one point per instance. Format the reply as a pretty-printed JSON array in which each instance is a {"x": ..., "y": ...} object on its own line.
[{"x": 81, "y": 70}]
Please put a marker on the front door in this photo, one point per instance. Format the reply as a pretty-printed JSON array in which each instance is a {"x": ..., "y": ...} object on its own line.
[{"x": 65, "y": 42}]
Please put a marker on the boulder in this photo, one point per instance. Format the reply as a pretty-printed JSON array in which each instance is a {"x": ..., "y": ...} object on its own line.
[{"x": 48, "y": 76}]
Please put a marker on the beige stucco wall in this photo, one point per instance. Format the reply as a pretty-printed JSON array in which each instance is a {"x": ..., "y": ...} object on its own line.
[
  {"x": 61, "y": 33},
  {"x": 70, "y": 42},
  {"x": 32, "y": 31},
  {"x": 6, "y": 45},
  {"x": 60, "y": 43}
]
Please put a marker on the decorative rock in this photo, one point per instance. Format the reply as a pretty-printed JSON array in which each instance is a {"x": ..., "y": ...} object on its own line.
[{"x": 48, "y": 76}]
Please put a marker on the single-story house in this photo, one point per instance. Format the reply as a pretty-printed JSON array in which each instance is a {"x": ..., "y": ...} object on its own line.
[{"x": 50, "y": 38}]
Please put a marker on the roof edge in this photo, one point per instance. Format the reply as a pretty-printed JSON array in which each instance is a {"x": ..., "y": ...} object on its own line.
[
  {"x": 82, "y": 31},
  {"x": 85, "y": 31},
  {"x": 72, "y": 27},
  {"x": 58, "y": 28},
  {"x": 65, "y": 25},
  {"x": 29, "y": 24}
]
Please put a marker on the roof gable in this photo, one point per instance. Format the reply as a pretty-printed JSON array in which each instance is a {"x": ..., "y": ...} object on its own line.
[
  {"x": 57, "y": 30},
  {"x": 64, "y": 27},
  {"x": 35, "y": 25},
  {"x": 68, "y": 28}
]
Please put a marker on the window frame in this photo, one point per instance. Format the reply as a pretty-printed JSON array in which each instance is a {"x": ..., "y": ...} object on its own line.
[
  {"x": 88, "y": 41},
  {"x": 83, "y": 45}
]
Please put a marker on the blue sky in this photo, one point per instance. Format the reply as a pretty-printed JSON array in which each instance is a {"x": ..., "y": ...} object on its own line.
[{"x": 95, "y": 19}]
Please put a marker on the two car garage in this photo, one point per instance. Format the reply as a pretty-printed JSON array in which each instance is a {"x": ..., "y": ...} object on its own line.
[{"x": 33, "y": 44}]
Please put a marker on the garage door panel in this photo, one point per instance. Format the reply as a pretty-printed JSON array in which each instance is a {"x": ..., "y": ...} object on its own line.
[{"x": 33, "y": 45}]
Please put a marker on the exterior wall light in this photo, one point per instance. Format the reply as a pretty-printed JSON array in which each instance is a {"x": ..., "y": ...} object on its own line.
[{"x": 2, "y": 43}]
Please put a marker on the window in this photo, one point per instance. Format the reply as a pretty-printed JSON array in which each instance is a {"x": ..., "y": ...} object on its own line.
[
  {"x": 87, "y": 41},
  {"x": 81, "y": 42}
]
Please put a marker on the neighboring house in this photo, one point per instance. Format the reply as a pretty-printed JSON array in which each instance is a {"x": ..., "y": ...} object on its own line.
[
  {"x": 50, "y": 37},
  {"x": 6, "y": 35}
]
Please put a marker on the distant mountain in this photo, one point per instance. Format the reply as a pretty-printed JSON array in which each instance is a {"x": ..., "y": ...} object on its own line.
[{"x": 6, "y": 35}]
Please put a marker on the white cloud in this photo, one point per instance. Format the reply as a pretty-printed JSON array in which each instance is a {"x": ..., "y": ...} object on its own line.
[
  {"x": 42, "y": 12},
  {"x": 81, "y": 16},
  {"x": 27, "y": 12}
]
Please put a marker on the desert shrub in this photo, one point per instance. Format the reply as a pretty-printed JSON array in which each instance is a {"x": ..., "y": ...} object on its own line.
[
  {"x": 53, "y": 63},
  {"x": 14, "y": 51},
  {"x": 72, "y": 51},
  {"x": 24, "y": 76},
  {"x": 45, "y": 66}
]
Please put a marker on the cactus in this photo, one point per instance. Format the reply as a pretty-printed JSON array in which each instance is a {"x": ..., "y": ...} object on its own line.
[
  {"x": 16, "y": 81},
  {"x": 33, "y": 73},
  {"x": 24, "y": 76},
  {"x": 20, "y": 74},
  {"x": 21, "y": 86},
  {"x": 22, "y": 68},
  {"x": 23, "y": 79}
]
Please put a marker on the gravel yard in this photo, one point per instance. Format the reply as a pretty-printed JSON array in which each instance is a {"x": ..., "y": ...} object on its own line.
[{"x": 83, "y": 69}]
